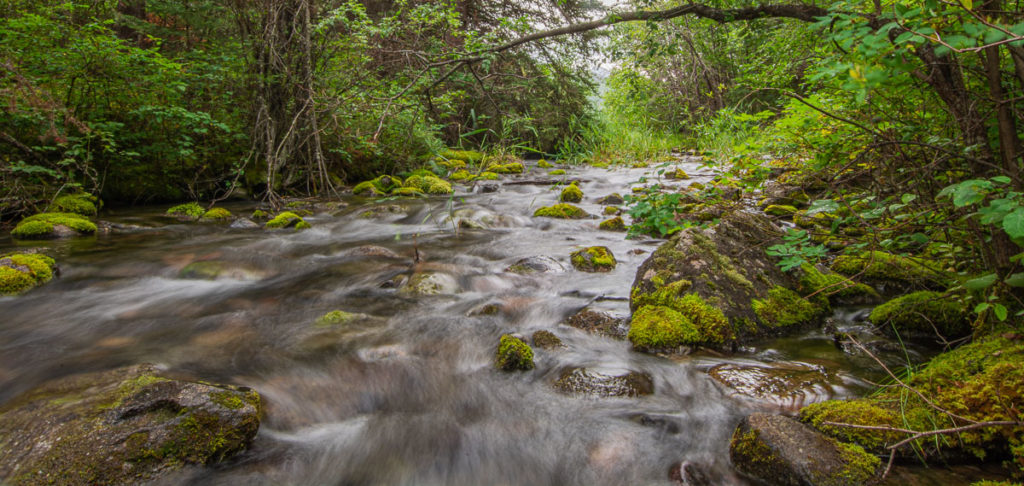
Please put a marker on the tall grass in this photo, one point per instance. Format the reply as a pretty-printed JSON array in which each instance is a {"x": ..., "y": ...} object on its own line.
[{"x": 608, "y": 139}]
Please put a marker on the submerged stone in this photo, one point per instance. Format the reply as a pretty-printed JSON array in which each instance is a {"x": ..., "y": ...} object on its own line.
[
  {"x": 430, "y": 283},
  {"x": 599, "y": 323},
  {"x": 781, "y": 451},
  {"x": 787, "y": 385},
  {"x": 124, "y": 426},
  {"x": 546, "y": 340},
  {"x": 581, "y": 381},
  {"x": 536, "y": 264}
]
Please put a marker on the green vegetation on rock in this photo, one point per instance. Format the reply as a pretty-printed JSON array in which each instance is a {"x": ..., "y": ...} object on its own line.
[
  {"x": 216, "y": 214},
  {"x": 593, "y": 259},
  {"x": 513, "y": 354},
  {"x": 779, "y": 210},
  {"x": 192, "y": 211},
  {"x": 288, "y": 219},
  {"x": 784, "y": 308},
  {"x": 543, "y": 164},
  {"x": 81, "y": 203},
  {"x": 561, "y": 211},
  {"x": 613, "y": 224},
  {"x": 46, "y": 225},
  {"x": 923, "y": 313},
  {"x": 571, "y": 194},
  {"x": 336, "y": 318},
  {"x": 557, "y": 172},
  {"x": 22, "y": 271},
  {"x": 657, "y": 327},
  {"x": 877, "y": 266}
]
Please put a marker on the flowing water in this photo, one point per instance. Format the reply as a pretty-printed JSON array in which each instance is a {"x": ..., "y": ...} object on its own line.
[{"x": 409, "y": 395}]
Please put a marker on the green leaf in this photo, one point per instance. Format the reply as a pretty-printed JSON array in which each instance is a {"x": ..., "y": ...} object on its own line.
[
  {"x": 1000, "y": 311},
  {"x": 981, "y": 283},
  {"x": 978, "y": 309},
  {"x": 1013, "y": 223},
  {"x": 1002, "y": 179},
  {"x": 1015, "y": 280}
]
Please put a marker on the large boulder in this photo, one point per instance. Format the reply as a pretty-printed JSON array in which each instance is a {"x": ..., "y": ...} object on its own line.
[
  {"x": 781, "y": 451},
  {"x": 122, "y": 426},
  {"x": 723, "y": 283}
]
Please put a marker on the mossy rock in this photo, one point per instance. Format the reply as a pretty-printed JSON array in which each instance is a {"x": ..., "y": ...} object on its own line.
[
  {"x": 613, "y": 224},
  {"x": 379, "y": 186},
  {"x": 81, "y": 203},
  {"x": 581, "y": 381},
  {"x": 571, "y": 194},
  {"x": 536, "y": 264},
  {"x": 657, "y": 328},
  {"x": 186, "y": 212},
  {"x": 287, "y": 219},
  {"x": 611, "y": 210},
  {"x": 593, "y": 259},
  {"x": 428, "y": 184},
  {"x": 513, "y": 354},
  {"x": 719, "y": 265},
  {"x": 543, "y": 164},
  {"x": 713, "y": 328},
  {"x": 880, "y": 268},
  {"x": 830, "y": 288},
  {"x": 216, "y": 214},
  {"x": 613, "y": 199},
  {"x": 470, "y": 156},
  {"x": 599, "y": 322},
  {"x": 407, "y": 192},
  {"x": 546, "y": 340},
  {"x": 512, "y": 168},
  {"x": 259, "y": 214},
  {"x": 488, "y": 176},
  {"x": 981, "y": 381},
  {"x": 125, "y": 426},
  {"x": 779, "y": 210},
  {"x": 561, "y": 211},
  {"x": 557, "y": 172},
  {"x": 338, "y": 318},
  {"x": 461, "y": 175},
  {"x": 922, "y": 314},
  {"x": 678, "y": 174},
  {"x": 778, "y": 450},
  {"x": 53, "y": 225},
  {"x": 784, "y": 309},
  {"x": 20, "y": 272},
  {"x": 430, "y": 283},
  {"x": 801, "y": 219},
  {"x": 453, "y": 164}
]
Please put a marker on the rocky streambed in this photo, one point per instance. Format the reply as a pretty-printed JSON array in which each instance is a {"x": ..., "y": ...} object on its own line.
[{"x": 363, "y": 347}]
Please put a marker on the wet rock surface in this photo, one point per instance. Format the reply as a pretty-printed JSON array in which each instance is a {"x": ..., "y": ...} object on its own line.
[
  {"x": 599, "y": 322},
  {"x": 122, "y": 426},
  {"x": 787, "y": 385},
  {"x": 582, "y": 381}
]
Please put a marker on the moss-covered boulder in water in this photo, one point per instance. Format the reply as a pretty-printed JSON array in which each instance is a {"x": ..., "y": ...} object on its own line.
[
  {"x": 380, "y": 186},
  {"x": 880, "y": 268},
  {"x": 124, "y": 426},
  {"x": 571, "y": 194},
  {"x": 783, "y": 308},
  {"x": 557, "y": 172},
  {"x": 657, "y": 328},
  {"x": 216, "y": 214},
  {"x": 725, "y": 267},
  {"x": 427, "y": 184},
  {"x": 711, "y": 325},
  {"x": 23, "y": 271},
  {"x": 186, "y": 212},
  {"x": 780, "y": 451},
  {"x": 613, "y": 199},
  {"x": 561, "y": 211},
  {"x": 513, "y": 354},
  {"x": 81, "y": 203},
  {"x": 982, "y": 381},
  {"x": 831, "y": 288},
  {"x": 511, "y": 168},
  {"x": 543, "y": 164},
  {"x": 923, "y": 314},
  {"x": 287, "y": 219},
  {"x": 53, "y": 225},
  {"x": 613, "y": 224},
  {"x": 593, "y": 259}
]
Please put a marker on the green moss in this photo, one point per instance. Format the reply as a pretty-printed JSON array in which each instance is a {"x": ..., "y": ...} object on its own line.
[
  {"x": 258, "y": 214},
  {"x": 557, "y": 172},
  {"x": 188, "y": 210},
  {"x": 513, "y": 168},
  {"x": 854, "y": 412},
  {"x": 614, "y": 224},
  {"x": 753, "y": 450},
  {"x": 513, "y": 354},
  {"x": 453, "y": 164},
  {"x": 42, "y": 225},
  {"x": 336, "y": 318},
  {"x": 593, "y": 259},
  {"x": 561, "y": 211},
  {"x": 885, "y": 267},
  {"x": 571, "y": 193},
  {"x": 677, "y": 174},
  {"x": 779, "y": 210},
  {"x": 461, "y": 175},
  {"x": 712, "y": 325},
  {"x": 287, "y": 219},
  {"x": 227, "y": 399},
  {"x": 543, "y": 164},
  {"x": 366, "y": 188},
  {"x": 14, "y": 282},
  {"x": 923, "y": 313},
  {"x": 488, "y": 176},
  {"x": 785, "y": 308},
  {"x": 429, "y": 184},
  {"x": 657, "y": 327},
  {"x": 825, "y": 285},
  {"x": 82, "y": 203},
  {"x": 470, "y": 156},
  {"x": 379, "y": 186},
  {"x": 610, "y": 210},
  {"x": 859, "y": 466},
  {"x": 407, "y": 192},
  {"x": 217, "y": 214}
]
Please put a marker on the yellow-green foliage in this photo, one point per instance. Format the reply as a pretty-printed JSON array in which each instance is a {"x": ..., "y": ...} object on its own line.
[
  {"x": 801, "y": 219},
  {"x": 710, "y": 322},
  {"x": 859, "y": 467},
  {"x": 82, "y": 203},
  {"x": 513, "y": 168},
  {"x": 920, "y": 311},
  {"x": 658, "y": 327},
  {"x": 610, "y": 210},
  {"x": 557, "y": 172},
  {"x": 259, "y": 214},
  {"x": 825, "y": 285},
  {"x": 288, "y": 219},
  {"x": 429, "y": 184},
  {"x": 881, "y": 266},
  {"x": 981, "y": 381},
  {"x": 593, "y": 259},
  {"x": 785, "y": 308},
  {"x": 779, "y": 210},
  {"x": 561, "y": 211},
  {"x": 452, "y": 164},
  {"x": 22, "y": 271},
  {"x": 188, "y": 210},
  {"x": 461, "y": 175},
  {"x": 543, "y": 164},
  {"x": 614, "y": 224},
  {"x": 854, "y": 412},
  {"x": 571, "y": 193},
  {"x": 470, "y": 156},
  {"x": 678, "y": 174},
  {"x": 217, "y": 214},
  {"x": 379, "y": 186},
  {"x": 488, "y": 176},
  {"x": 513, "y": 354},
  {"x": 335, "y": 318},
  {"x": 407, "y": 192},
  {"x": 42, "y": 225}
]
